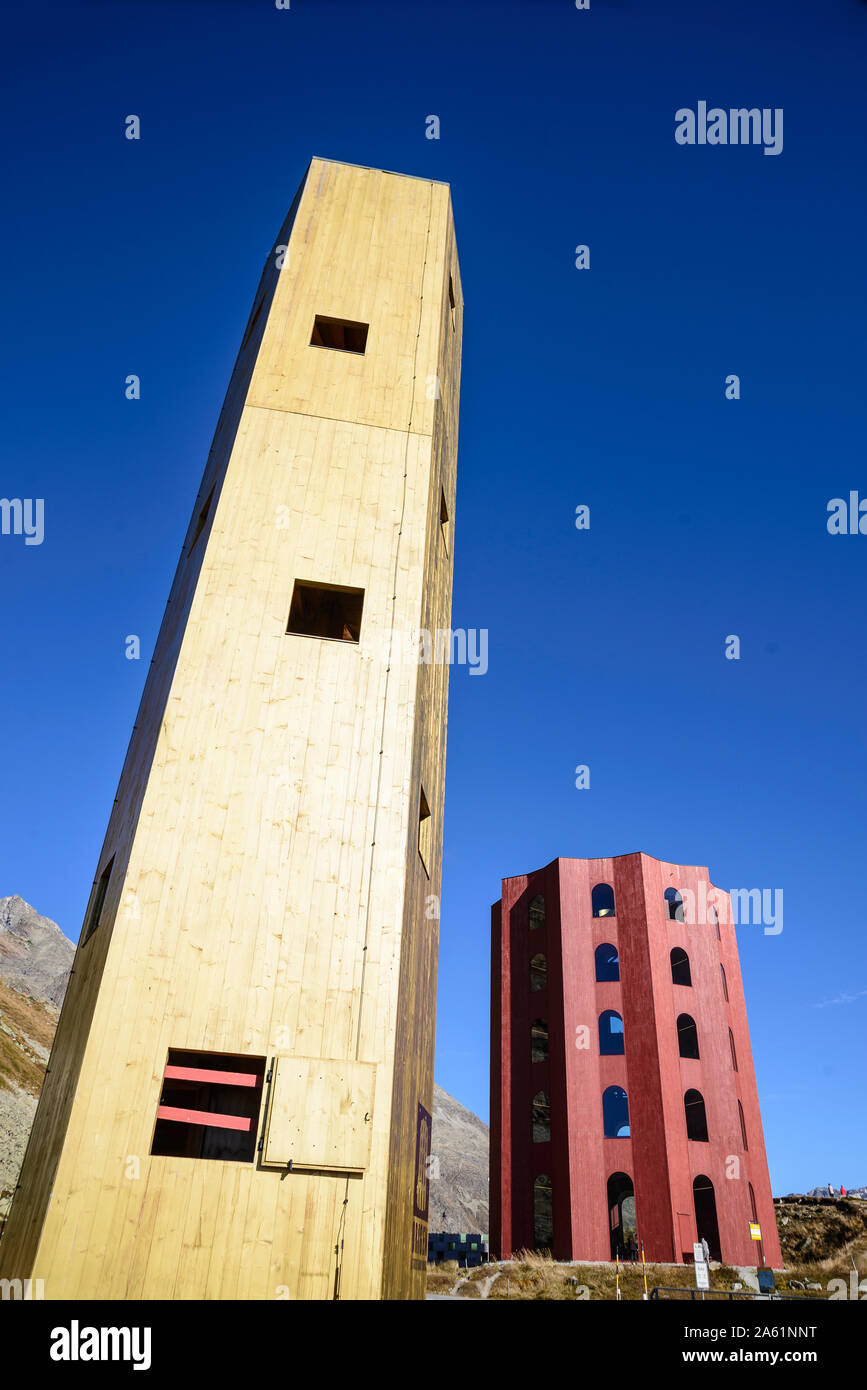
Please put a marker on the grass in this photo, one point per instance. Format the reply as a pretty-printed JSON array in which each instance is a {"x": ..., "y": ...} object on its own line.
[
  {"x": 819, "y": 1240},
  {"x": 532, "y": 1276},
  {"x": 27, "y": 1020}
]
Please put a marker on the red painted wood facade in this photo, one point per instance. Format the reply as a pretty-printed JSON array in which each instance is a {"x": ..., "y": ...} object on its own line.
[{"x": 658, "y": 1157}]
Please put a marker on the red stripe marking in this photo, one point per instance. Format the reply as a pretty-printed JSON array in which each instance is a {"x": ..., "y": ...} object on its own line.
[
  {"x": 223, "y": 1078},
  {"x": 204, "y": 1117}
]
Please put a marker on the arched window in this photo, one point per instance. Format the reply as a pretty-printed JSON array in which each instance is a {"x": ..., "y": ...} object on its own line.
[
  {"x": 722, "y": 973},
  {"x": 537, "y": 912},
  {"x": 743, "y": 1129},
  {"x": 680, "y": 972},
  {"x": 610, "y": 1034},
  {"x": 541, "y": 1118},
  {"x": 704, "y": 1201},
  {"x": 543, "y": 1213},
  {"x": 675, "y": 905},
  {"x": 538, "y": 972},
  {"x": 607, "y": 962},
  {"x": 734, "y": 1054},
  {"x": 602, "y": 900},
  {"x": 615, "y": 1113},
  {"x": 696, "y": 1119},
  {"x": 539, "y": 1041},
  {"x": 687, "y": 1036},
  {"x": 714, "y": 917}
]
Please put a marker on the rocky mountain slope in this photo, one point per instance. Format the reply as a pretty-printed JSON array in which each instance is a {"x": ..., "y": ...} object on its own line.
[
  {"x": 35, "y": 956},
  {"x": 459, "y": 1195},
  {"x": 823, "y": 1238},
  {"x": 35, "y": 960}
]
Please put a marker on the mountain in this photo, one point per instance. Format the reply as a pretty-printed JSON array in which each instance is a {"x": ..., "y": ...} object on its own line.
[
  {"x": 35, "y": 960},
  {"x": 459, "y": 1195},
  {"x": 35, "y": 956}
]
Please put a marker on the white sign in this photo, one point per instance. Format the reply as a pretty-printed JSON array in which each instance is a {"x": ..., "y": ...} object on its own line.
[
  {"x": 702, "y": 1280},
  {"x": 698, "y": 1252}
]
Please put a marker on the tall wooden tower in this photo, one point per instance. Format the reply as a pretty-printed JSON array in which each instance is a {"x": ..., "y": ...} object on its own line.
[{"x": 238, "y": 1099}]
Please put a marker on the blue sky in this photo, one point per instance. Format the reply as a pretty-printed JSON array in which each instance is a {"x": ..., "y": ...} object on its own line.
[{"x": 603, "y": 387}]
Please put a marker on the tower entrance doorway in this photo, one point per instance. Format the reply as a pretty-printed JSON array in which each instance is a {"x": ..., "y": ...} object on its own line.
[
  {"x": 706, "y": 1223},
  {"x": 622, "y": 1224}
]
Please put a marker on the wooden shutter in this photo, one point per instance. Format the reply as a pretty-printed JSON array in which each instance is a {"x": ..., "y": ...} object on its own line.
[{"x": 320, "y": 1114}]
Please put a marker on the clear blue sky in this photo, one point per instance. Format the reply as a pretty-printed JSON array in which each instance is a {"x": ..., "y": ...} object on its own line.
[{"x": 604, "y": 387}]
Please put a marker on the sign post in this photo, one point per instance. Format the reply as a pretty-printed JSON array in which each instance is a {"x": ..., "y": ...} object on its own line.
[
  {"x": 702, "y": 1274},
  {"x": 756, "y": 1234}
]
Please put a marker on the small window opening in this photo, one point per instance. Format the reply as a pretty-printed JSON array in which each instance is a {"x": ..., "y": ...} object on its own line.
[
  {"x": 537, "y": 912},
  {"x": 610, "y": 1034},
  {"x": 538, "y": 972},
  {"x": 539, "y": 1041},
  {"x": 543, "y": 1213},
  {"x": 696, "y": 1118},
  {"x": 325, "y": 610},
  {"x": 203, "y": 517},
  {"x": 722, "y": 972},
  {"x": 602, "y": 900},
  {"x": 452, "y": 314},
  {"x": 607, "y": 962},
  {"x": 687, "y": 1036},
  {"x": 744, "y": 1135},
  {"x": 541, "y": 1118},
  {"x": 98, "y": 901},
  {"x": 209, "y": 1106},
  {"x": 615, "y": 1113},
  {"x": 444, "y": 520},
  {"x": 424, "y": 825},
  {"x": 734, "y": 1053},
  {"x": 680, "y": 971},
  {"x": 675, "y": 905},
  {"x": 340, "y": 334}
]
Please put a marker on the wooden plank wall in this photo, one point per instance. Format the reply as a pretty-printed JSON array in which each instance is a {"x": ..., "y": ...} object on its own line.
[
  {"x": 268, "y": 805},
  {"x": 414, "y": 1058},
  {"x": 36, "y": 1180}
]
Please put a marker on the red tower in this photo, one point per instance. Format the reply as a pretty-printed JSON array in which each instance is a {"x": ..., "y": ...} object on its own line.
[{"x": 623, "y": 1097}]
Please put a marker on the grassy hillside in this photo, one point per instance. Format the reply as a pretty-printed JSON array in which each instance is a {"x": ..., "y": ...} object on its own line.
[
  {"x": 820, "y": 1237},
  {"x": 26, "y": 1030}
]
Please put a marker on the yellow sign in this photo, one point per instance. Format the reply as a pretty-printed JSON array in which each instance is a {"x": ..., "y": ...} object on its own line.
[{"x": 755, "y": 1231}]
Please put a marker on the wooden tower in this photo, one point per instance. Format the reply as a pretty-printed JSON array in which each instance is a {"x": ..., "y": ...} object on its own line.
[{"x": 238, "y": 1100}]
